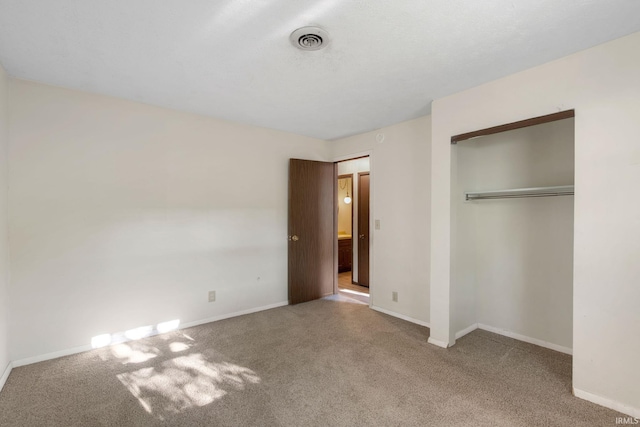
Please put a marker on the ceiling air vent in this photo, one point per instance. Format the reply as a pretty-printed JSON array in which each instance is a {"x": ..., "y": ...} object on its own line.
[{"x": 309, "y": 38}]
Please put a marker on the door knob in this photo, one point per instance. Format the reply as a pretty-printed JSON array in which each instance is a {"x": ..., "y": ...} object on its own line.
[
  {"x": 362, "y": 236},
  {"x": 294, "y": 238}
]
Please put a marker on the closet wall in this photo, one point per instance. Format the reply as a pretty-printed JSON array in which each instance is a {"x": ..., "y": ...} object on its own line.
[{"x": 514, "y": 257}]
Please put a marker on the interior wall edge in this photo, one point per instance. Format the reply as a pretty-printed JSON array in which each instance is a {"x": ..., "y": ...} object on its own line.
[
  {"x": 438, "y": 343},
  {"x": 5, "y": 375},
  {"x": 466, "y": 330},
  {"x": 158, "y": 107},
  {"x": 5, "y": 356},
  {"x": 607, "y": 403}
]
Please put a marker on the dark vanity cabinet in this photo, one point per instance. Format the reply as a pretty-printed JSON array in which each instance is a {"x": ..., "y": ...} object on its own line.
[{"x": 344, "y": 255}]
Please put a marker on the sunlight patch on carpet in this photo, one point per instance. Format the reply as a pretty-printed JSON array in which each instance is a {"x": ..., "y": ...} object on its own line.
[
  {"x": 177, "y": 347},
  {"x": 134, "y": 352},
  {"x": 185, "y": 382}
]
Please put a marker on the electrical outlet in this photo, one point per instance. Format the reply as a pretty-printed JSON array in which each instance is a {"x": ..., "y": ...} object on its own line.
[
  {"x": 212, "y": 296},
  {"x": 377, "y": 224},
  {"x": 394, "y": 296}
]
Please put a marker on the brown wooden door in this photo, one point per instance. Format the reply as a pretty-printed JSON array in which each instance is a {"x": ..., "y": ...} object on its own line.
[
  {"x": 363, "y": 229},
  {"x": 312, "y": 230}
]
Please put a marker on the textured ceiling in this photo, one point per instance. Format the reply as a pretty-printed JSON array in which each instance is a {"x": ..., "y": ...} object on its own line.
[{"x": 232, "y": 59}]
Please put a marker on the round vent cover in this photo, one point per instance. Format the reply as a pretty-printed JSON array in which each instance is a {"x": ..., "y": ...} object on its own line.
[{"x": 309, "y": 38}]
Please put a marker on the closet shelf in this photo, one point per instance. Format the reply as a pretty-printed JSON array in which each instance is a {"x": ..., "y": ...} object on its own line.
[{"x": 515, "y": 193}]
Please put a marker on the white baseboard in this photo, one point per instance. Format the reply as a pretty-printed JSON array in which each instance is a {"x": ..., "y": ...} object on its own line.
[
  {"x": 438, "y": 342},
  {"x": 81, "y": 349},
  {"x": 401, "y": 316},
  {"x": 49, "y": 356},
  {"x": 530, "y": 340},
  {"x": 607, "y": 403},
  {"x": 466, "y": 331},
  {"x": 234, "y": 314},
  {"x": 5, "y": 375}
]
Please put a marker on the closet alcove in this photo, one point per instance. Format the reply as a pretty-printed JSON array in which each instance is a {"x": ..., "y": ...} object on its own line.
[{"x": 512, "y": 233}]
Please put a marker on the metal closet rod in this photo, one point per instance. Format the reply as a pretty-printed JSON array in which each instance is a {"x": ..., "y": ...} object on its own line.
[{"x": 565, "y": 190}]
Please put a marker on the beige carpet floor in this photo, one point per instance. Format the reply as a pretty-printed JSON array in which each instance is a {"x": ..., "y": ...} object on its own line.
[{"x": 323, "y": 363}]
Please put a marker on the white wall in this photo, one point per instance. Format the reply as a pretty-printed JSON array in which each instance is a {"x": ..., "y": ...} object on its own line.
[
  {"x": 4, "y": 252},
  {"x": 124, "y": 215},
  {"x": 400, "y": 200},
  {"x": 354, "y": 167},
  {"x": 602, "y": 85},
  {"x": 514, "y": 257}
]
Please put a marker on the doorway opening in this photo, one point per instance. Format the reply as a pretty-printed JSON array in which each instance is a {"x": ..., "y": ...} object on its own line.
[{"x": 353, "y": 207}]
